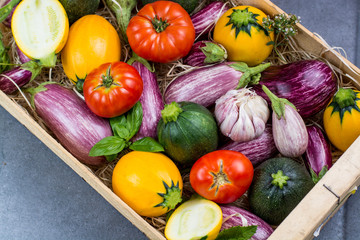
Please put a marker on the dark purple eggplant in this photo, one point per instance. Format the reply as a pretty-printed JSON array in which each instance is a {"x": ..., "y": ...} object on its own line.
[
  {"x": 206, "y": 84},
  {"x": 234, "y": 216},
  {"x": 151, "y": 102},
  {"x": 76, "y": 127},
  {"x": 258, "y": 150},
  {"x": 18, "y": 75},
  {"x": 205, "y": 52},
  {"x": 22, "y": 57},
  {"x": 318, "y": 155},
  {"x": 9, "y": 12},
  {"x": 205, "y": 19},
  {"x": 308, "y": 84}
]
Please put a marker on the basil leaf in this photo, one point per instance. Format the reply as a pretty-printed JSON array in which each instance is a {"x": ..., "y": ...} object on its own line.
[
  {"x": 147, "y": 144},
  {"x": 130, "y": 120},
  {"x": 111, "y": 158},
  {"x": 134, "y": 118},
  {"x": 237, "y": 233},
  {"x": 122, "y": 132},
  {"x": 107, "y": 146}
]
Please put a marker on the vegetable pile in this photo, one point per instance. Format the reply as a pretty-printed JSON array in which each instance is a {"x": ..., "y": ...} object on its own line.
[{"x": 190, "y": 111}]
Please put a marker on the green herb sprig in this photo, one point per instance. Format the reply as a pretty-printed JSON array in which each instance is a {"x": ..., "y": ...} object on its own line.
[{"x": 124, "y": 128}]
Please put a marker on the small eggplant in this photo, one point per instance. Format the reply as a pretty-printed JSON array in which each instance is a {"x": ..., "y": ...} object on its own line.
[
  {"x": 318, "y": 155},
  {"x": 206, "y": 18},
  {"x": 151, "y": 102},
  {"x": 206, "y": 84},
  {"x": 241, "y": 114},
  {"x": 16, "y": 75},
  {"x": 76, "y": 127},
  {"x": 289, "y": 130},
  {"x": 22, "y": 57},
  {"x": 205, "y": 52},
  {"x": 257, "y": 150}
]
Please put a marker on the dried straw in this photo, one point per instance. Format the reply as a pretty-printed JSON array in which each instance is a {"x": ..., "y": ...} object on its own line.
[{"x": 289, "y": 52}]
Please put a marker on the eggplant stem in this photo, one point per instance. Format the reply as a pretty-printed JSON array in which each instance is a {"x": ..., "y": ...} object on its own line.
[
  {"x": 277, "y": 104},
  {"x": 251, "y": 75}
]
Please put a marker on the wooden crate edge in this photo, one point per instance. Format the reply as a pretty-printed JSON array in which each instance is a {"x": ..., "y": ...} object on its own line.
[{"x": 83, "y": 171}]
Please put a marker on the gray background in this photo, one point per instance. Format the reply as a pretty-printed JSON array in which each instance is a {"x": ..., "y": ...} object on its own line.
[{"x": 42, "y": 198}]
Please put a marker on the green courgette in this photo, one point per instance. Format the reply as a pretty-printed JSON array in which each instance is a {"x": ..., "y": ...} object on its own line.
[
  {"x": 187, "y": 131},
  {"x": 76, "y": 9},
  {"x": 279, "y": 184}
]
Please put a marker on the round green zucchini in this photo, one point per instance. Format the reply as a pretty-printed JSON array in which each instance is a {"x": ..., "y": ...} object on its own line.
[
  {"x": 76, "y": 9},
  {"x": 188, "y": 5},
  {"x": 187, "y": 131},
  {"x": 279, "y": 184}
]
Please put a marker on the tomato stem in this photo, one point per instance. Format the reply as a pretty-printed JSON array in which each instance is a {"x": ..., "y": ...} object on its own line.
[
  {"x": 220, "y": 178},
  {"x": 159, "y": 24},
  {"x": 107, "y": 79}
]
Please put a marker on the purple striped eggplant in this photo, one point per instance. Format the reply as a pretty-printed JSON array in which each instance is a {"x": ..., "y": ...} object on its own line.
[
  {"x": 22, "y": 57},
  {"x": 257, "y": 150},
  {"x": 206, "y": 18},
  {"x": 18, "y": 75},
  {"x": 72, "y": 122},
  {"x": 206, "y": 84},
  {"x": 289, "y": 130},
  {"x": 151, "y": 102},
  {"x": 308, "y": 84},
  {"x": 205, "y": 52},
  {"x": 234, "y": 216},
  {"x": 318, "y": 155}
]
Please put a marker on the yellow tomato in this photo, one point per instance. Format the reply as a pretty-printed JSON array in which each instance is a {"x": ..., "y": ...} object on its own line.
[
  {"x": 150, "y": 183},
  {"x": 197, "y": 218},
  {"x": 40, "y": 29},
  {"x": 92, "y": 41},
  {"x": 240, "y": 31},
  {"x": 342, "y": 118}
]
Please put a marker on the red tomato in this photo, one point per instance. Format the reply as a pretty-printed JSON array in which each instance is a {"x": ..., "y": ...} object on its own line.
[
  {"x": 112, "y": 89},
  {"x": 161, "y": 32},
  {"x": 222, "y": 176}
]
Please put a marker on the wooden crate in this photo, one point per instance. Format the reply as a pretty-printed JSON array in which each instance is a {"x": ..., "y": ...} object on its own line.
[{"x": 313, "y": 211}]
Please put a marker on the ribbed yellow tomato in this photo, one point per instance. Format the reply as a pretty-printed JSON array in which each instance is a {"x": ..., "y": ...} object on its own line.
[
  {"x": 342, "y": 118},
  {"x": 197, "y": 218},
  {"x": 92, "y": 41},
  {"x": 150, "y": 183},
  {"x": 240, "y": 31},
  {"x": 40, "y": 29}
]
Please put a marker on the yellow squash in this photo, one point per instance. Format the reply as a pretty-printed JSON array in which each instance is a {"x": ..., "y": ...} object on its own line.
[
  {"x": 342, "y": 118},
  {"x": 92, "y": 41},
  {"x": 240, "y": 31},
  {"x": 197, "y": 218},
  {"x": 150, "y": 183},
  {"x": 40, "y": 29}
]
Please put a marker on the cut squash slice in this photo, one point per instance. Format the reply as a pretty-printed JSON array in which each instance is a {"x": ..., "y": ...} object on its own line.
[
  {"x": 197, "y": 218},
  {"x": 40, "y": 29}
]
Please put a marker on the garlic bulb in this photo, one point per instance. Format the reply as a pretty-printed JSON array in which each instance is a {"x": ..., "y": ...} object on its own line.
[{"x": 241, "y": 114}]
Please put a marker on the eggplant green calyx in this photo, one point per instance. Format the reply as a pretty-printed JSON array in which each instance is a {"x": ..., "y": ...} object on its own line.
[
  {"x": 34, "y": 67},
  {"x": 36, "y": 90},
  {"x": 141, "y": 60},
  {"x": 243, "y": 20},
  {"x": 171, "y": 112},
  {"x": 214, "y": 52},
  {"x": 159, "y": 24},
  {"x": 277, "y": 104},
  {"x": 279, "y": 179},
  {"x": 345, "y": 97},
  {"x": 171, "y": 197},
  {"x": 251, "y": 75},
  {"x": 6, "y": 10}
]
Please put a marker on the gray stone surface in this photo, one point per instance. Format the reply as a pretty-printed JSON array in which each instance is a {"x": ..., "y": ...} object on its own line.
[{"x": 42, "y": 198}]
